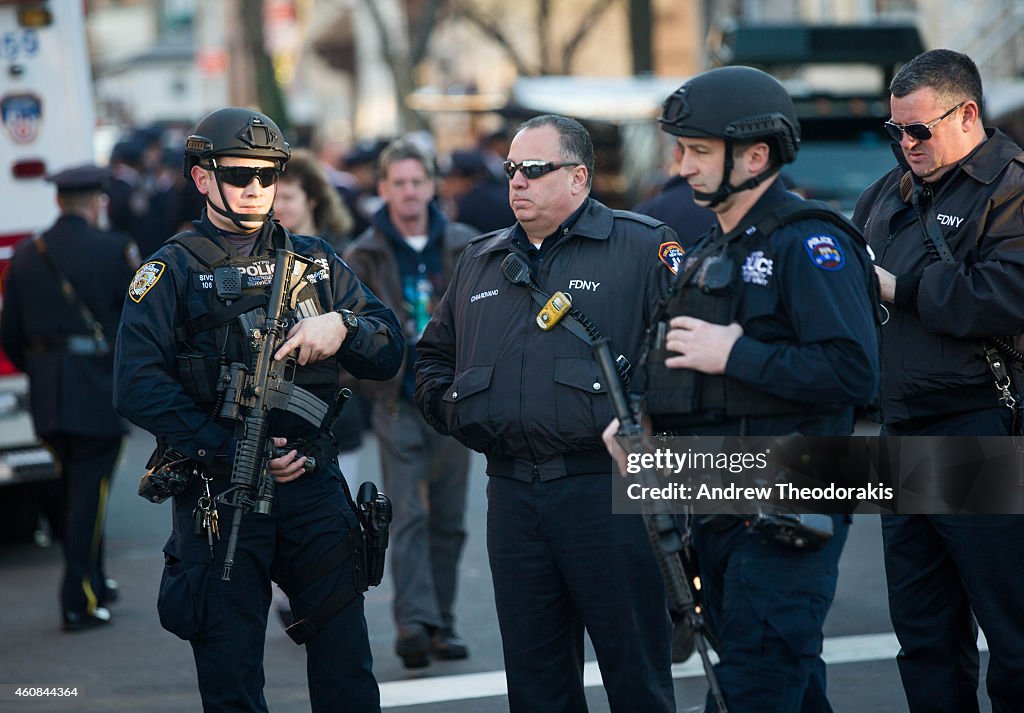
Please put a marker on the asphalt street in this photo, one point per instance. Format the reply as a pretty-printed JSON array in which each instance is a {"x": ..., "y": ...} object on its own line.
[{"x": 134, "y": 665}]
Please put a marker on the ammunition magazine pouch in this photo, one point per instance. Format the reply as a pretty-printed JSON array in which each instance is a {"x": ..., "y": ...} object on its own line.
[
  {"x": 681, "y": 397},
  {"x": 198, "y": 375},
  {"x": 323, "y": 448}
]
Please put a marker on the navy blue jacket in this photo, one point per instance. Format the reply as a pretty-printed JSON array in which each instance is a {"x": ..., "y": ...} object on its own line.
[
  {"x": 147, "y": 391},
  {"x": 809, "y": 331},
  {"x": 70, "y": 391}
]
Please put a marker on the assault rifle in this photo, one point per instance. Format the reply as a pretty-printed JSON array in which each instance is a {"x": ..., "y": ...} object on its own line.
[
  {"x": 251, "y": 392},
  {"x": 664, "y": 535}
]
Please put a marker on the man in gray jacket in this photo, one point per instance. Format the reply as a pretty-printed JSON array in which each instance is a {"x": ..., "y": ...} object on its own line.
[{"x": 406, "y": 258}]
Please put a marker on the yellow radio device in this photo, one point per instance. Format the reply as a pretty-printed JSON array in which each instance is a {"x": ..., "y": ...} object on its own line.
[{"x": 556, "y": 308}]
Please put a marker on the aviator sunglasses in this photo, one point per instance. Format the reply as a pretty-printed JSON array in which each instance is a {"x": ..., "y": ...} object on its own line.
[
  {"x": 917, "y": 131},
  {"x": 532, "y": 168},
  {"x": 241, "y": 176}
]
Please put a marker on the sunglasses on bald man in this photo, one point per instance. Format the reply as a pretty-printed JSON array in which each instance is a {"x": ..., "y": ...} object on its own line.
[{"x": 532, "y": 168}]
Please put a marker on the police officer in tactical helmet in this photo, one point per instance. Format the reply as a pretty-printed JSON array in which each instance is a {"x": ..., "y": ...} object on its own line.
[
  {"x": 218, "y": 141},
  {"x": 176, "y": 332},
  {"x": 740, "y": 105},
  {"x": 738, "y": 349}
]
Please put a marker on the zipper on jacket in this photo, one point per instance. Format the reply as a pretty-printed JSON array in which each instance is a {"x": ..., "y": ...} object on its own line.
[
  {"x": 885, "y": 248},
  {"x": 522, "y": 391}
]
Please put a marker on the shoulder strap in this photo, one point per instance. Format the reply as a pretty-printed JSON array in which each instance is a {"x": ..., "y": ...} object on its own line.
[
  {"x": 994, "y": 349},
  {"x": 210, "y": 320},
  {"x": 66, "y": 288},
  {"x": 933, "y": 236},
  {"x": 638, "y": 218},
  {"x": 204, "y": 250},
  {"x": 792, "y": 212}
]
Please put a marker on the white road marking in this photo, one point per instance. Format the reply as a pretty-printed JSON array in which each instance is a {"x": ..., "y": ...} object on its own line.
[{"x": 838, "y": 650}]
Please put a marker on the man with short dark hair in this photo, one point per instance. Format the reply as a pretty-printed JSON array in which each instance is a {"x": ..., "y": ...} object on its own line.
[
  {"x": 534, "y": 402},
  {"x": 62, "y": 337},
  {"x": 407, "y": 257},
  {"x": 967, "y": 183}
]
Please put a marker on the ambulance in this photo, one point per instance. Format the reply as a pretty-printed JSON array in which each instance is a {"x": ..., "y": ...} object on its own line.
[{"x": 47, "y": 121}]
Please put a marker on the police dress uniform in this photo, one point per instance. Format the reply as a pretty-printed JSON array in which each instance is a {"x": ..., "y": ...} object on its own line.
[
  {"x": 936, "y": 382},
  {"x": 225, "y": 621},
  {"x": 808, "y": 354},
  {"x": 71, "y": 375}
]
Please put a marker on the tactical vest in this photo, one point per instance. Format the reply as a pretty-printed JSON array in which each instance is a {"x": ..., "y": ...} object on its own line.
[
  {"x": 229, "y": 299},
  {"x": 708, "y": 287}
]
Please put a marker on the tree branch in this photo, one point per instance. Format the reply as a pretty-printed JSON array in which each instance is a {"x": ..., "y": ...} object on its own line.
[
  {"x": 421, "y": 29},
  {"x": 491, "y": 28},
  {"x": 590, "y": 19},
  {"x": 401, "y": 70},
  {"x": 543, "y": 20}
]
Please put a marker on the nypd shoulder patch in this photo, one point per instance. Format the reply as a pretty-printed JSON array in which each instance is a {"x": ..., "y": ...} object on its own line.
[
  {"x": 147, "y": 276},
  {"x": 672, "y": 255},
  {"x": 825, "y": 252}
]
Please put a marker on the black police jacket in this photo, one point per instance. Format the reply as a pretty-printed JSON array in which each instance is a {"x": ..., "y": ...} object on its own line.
[
  {"x": 174, "y": 286},
  {"x": 71, "y": 386},
  {"x": 534, "y": 402},
  {"x": 805, "y": 300},
  {"x": 932, "y": 358}
]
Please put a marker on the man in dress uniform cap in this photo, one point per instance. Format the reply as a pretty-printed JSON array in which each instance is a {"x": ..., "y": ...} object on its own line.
[{"x": 63, "y": 294}]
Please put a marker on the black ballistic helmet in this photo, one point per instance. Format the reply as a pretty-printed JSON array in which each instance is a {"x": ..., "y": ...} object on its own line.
[
  {"x": 734, "y": 103},
  {"x": 739, "y": 105},
  {"x": 235, "y": 131}
]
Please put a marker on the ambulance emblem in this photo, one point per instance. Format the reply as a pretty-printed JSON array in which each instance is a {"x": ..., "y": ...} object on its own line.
[{"x": 22, "y": 115}]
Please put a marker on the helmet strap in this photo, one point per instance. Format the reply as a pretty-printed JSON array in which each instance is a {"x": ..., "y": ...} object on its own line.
[
  {"x": 228, "y": 212},
  {"x": 726, "y": 189}
]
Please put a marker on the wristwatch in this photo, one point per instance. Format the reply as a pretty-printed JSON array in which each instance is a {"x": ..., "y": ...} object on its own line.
[{"x": 351, "y": 324}]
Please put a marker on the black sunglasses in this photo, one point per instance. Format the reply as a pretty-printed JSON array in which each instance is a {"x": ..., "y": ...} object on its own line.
[
  {"x": 917, "y": 131},
  {"x": 532, "y": 168},
  {"x": 242, "y": 176}
]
